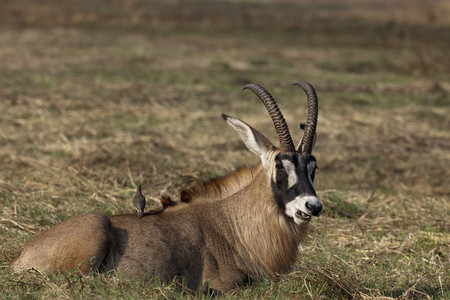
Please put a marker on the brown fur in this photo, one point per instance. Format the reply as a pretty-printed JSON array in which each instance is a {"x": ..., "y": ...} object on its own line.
[
  {"x": 167, "y": 201},
  {"x": 80, "y": 239},
  {"x": 219, "y": 244},
  {"x": 222, "y": 187},
  {"x": 231, "y": 231}
]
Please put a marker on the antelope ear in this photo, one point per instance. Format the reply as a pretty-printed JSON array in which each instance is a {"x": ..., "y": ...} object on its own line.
[{"x": 253, "y": 139}]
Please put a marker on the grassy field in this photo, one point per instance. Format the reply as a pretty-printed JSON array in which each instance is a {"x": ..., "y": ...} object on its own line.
[{"x": 98, "y": 96}]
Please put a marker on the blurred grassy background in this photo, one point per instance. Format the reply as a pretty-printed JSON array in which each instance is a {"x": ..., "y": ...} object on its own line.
[{"x": 98, "y": 96}]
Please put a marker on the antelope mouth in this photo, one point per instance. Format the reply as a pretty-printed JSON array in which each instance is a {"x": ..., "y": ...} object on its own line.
[{"x": 302, "y": 215}]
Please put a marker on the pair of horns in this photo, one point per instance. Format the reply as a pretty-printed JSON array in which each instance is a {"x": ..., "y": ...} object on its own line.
[{"x": 286, "y": 143}]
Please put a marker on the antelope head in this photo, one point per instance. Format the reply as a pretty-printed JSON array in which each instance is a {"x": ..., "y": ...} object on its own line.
[{"x": 290, "y": 169}]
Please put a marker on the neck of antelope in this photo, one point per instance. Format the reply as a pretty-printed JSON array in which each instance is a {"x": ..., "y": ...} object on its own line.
[{"x": 265, "y": 237}]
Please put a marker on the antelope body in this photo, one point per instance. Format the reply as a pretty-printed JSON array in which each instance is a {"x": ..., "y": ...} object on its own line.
[{"x": 234, "y": 229}]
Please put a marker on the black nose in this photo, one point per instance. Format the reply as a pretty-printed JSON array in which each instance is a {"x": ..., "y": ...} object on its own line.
[{"x": 314, "y": 208}]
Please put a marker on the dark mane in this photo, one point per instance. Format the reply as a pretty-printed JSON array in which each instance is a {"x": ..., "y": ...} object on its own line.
[{"x": 222, "y": 187}]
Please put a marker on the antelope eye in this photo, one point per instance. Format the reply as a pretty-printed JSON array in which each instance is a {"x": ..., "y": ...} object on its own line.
[{"x": 279, "y": 166}]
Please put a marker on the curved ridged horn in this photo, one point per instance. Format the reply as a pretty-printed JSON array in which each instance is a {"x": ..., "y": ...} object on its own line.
[
  {"x": 307, "y": 141},
  {"x": 286, "y": 144}
]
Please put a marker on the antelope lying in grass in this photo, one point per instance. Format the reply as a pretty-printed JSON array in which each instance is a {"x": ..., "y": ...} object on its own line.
[{"x": 234, "y": 229}]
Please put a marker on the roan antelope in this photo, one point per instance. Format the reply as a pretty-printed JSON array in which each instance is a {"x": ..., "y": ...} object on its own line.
[{"x": 231, "y": 230}]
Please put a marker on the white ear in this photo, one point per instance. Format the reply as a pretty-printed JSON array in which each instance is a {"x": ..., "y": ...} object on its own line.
[{"x": 253, "y": 139}]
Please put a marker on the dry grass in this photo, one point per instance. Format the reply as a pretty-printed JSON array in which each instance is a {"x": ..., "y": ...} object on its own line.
[{"x": 95, "y": 98}]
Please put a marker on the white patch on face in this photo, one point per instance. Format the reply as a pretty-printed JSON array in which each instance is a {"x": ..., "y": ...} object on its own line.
[
  {"x": 267, "y": 159},
  {"x": 299, "y": 204},
  {"x": 290, "y": 170}
]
